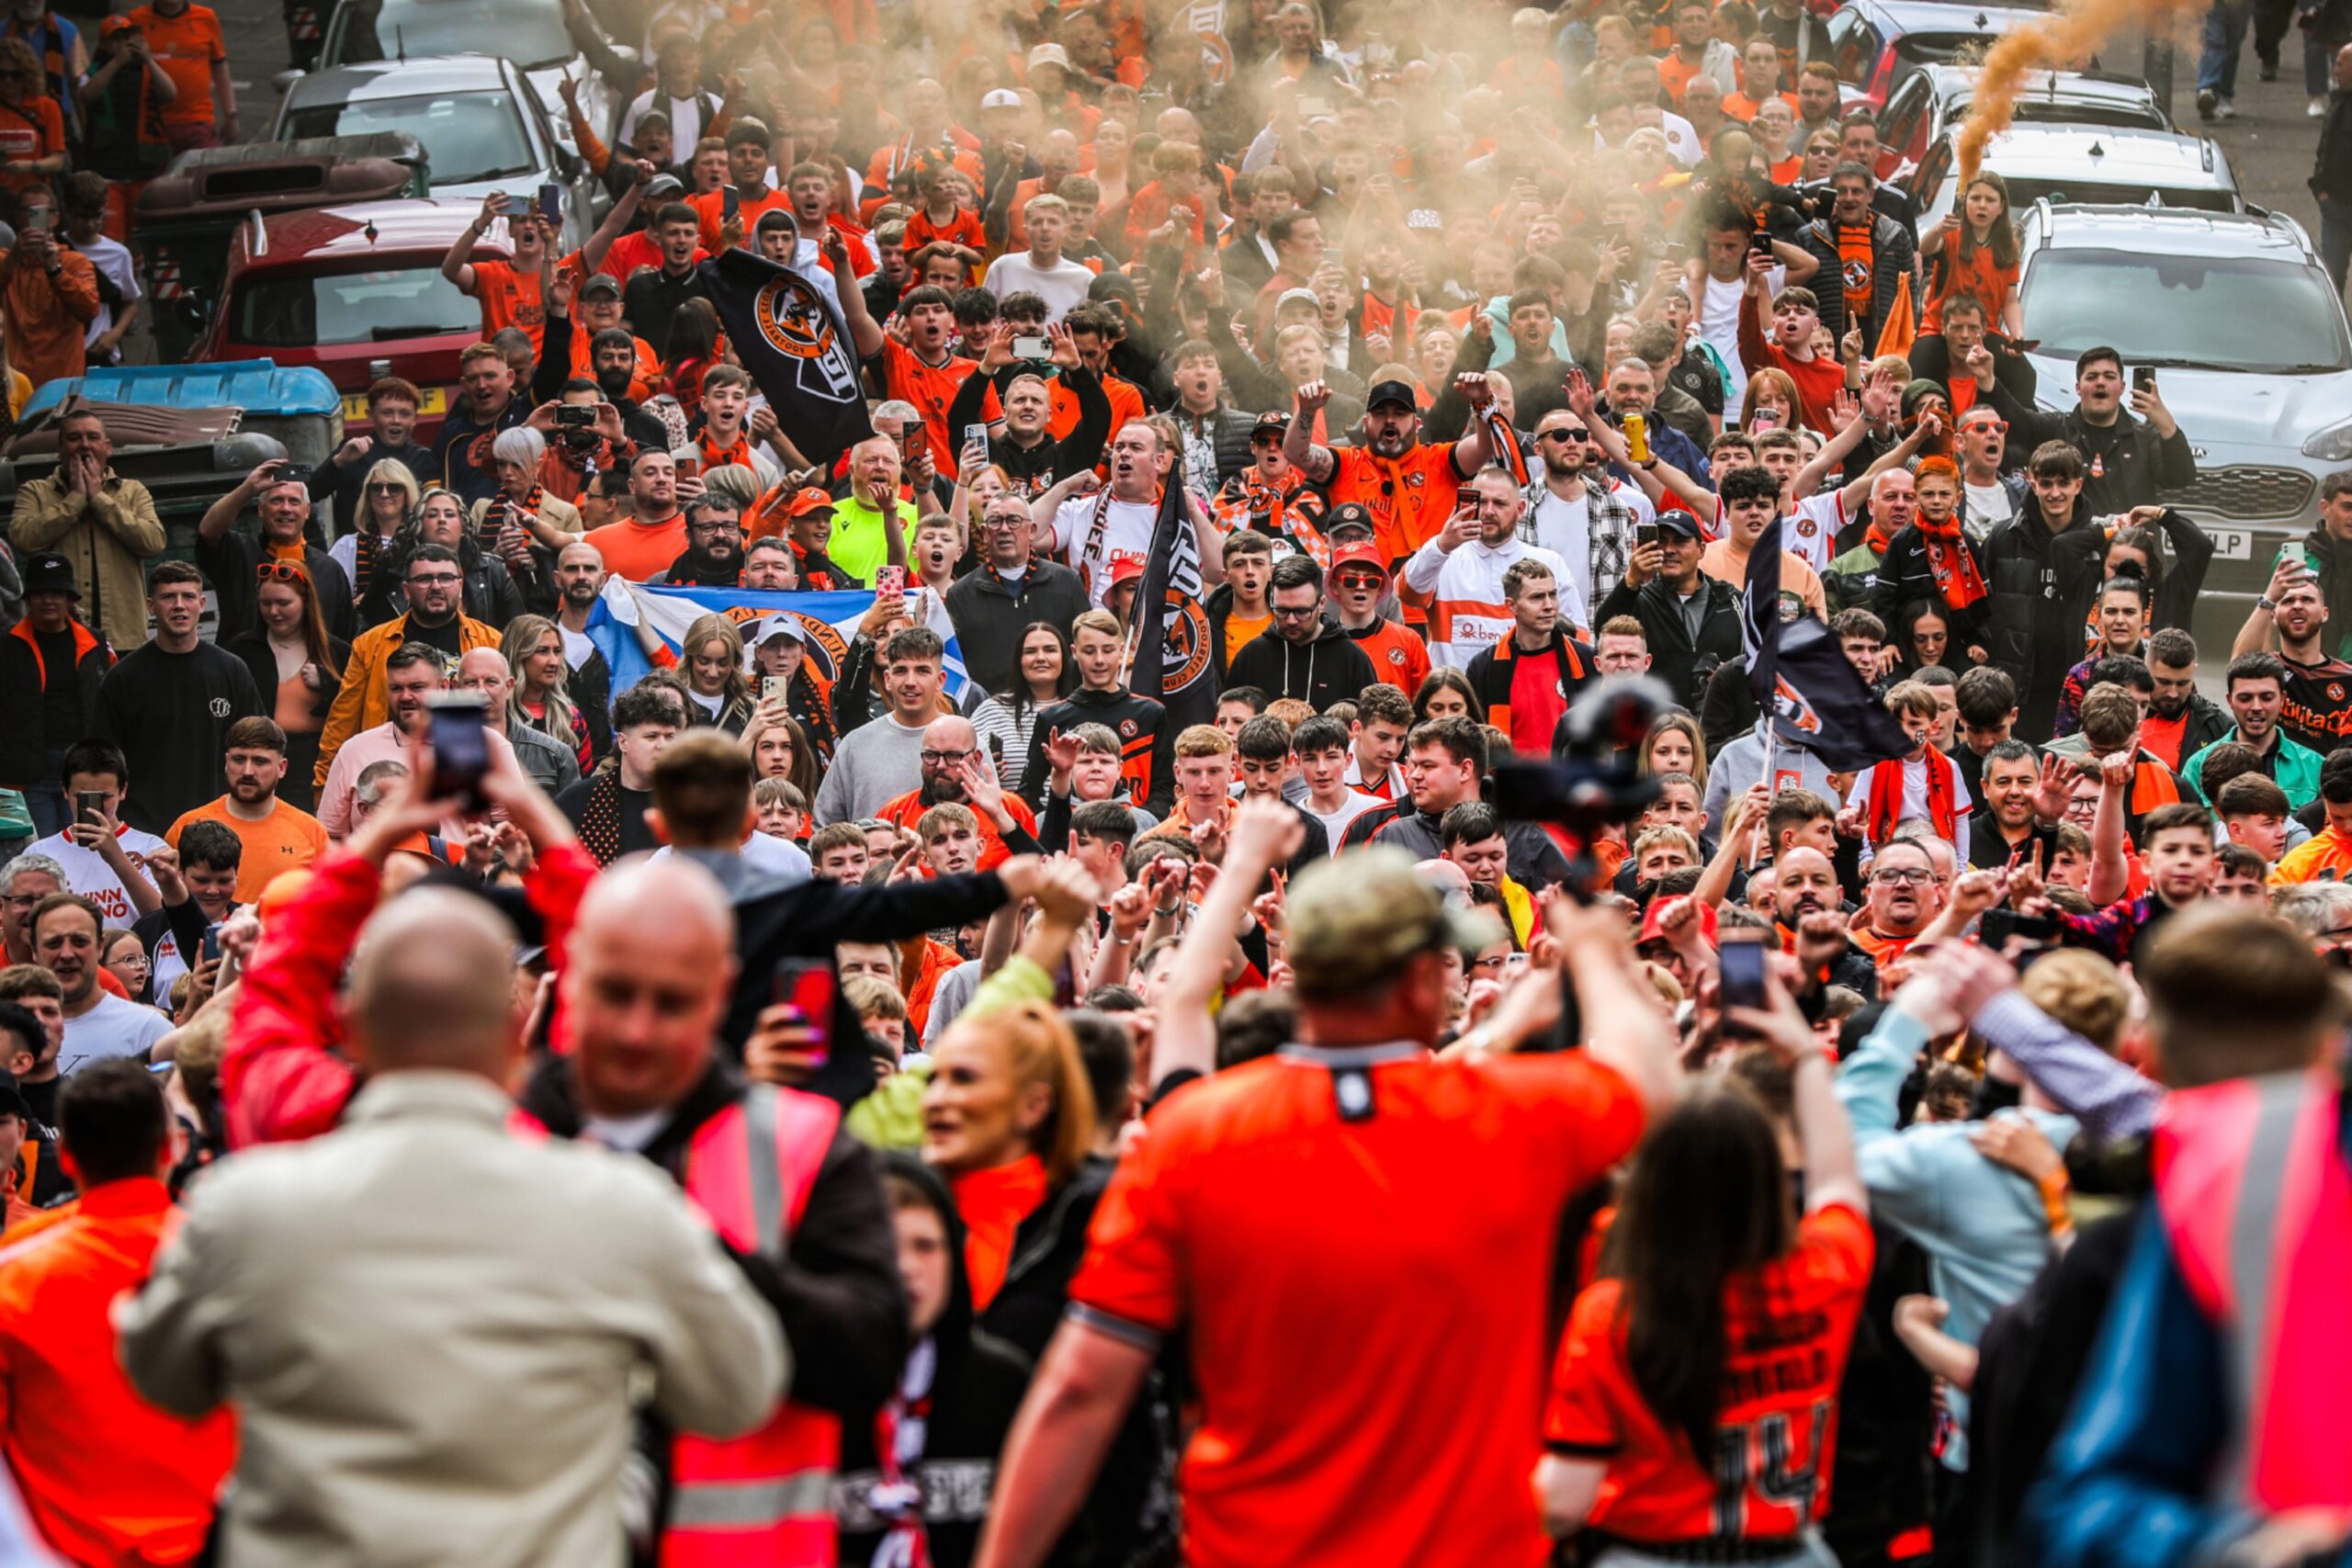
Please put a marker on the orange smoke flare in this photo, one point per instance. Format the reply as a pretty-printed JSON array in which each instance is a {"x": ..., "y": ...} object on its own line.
[{"x": 2069, "y": 37}]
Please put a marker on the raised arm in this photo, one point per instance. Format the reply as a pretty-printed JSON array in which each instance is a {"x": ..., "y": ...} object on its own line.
[
  {"x": 1299, "y": 447},
  {"x": 456, "y": 263},
  {"x": 1266, "y": 833}
]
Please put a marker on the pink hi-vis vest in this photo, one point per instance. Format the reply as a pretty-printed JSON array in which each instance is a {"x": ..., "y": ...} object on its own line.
[
  {"x": 2255, "y": 1197},
  {"x": 763, "y": 1500}
]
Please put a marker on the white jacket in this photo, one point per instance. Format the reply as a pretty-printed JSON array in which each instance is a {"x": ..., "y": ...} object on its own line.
[{"x": 1467, "y": 610}]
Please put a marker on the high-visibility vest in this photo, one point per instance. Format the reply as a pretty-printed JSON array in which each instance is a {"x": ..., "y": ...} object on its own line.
[
  {"x": 2255, "y": 1196},
  {"x": 763, "y": 1500}
]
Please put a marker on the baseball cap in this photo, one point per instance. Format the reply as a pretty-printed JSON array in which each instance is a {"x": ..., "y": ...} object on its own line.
[
  {"x": 812, "y": 499},
  {"x": 1391, "y": 392},
  {"x": 1352, "y": 920},
  {"x": 1003, "y": 98},
  {"x": 1048, "y": 54},
  {"x": 48, "y": 572},
  {"x": 784, "y": 623},
  {"x": 1348, "y": 514},
  {"x": 1274, "y": 422},
  {"x": 665, "y": 185},
  {"x": 1126, "y": 569},
  {"x": 601, "y": 283},
  {"x": 1674, "y": 519},
  {"x": 114, "y": 25},
  {"x": 1297, "y": 296},
  {"x": 1361, "y": 552}
]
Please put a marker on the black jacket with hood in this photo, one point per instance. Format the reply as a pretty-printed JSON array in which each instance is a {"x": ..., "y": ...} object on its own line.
[
  {"x": 1331, "y": 669},
  {"x": 2041, "y": 586},
  {"x": 977, "y": 1381}
]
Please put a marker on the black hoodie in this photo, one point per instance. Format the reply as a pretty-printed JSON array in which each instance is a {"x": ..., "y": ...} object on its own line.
[
  {"x": 974, "y": 1388},
  {"x": 1331, "y": 669}
]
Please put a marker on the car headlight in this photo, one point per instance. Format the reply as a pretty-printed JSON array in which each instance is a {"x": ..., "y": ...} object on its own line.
[{"x": 2333, "y": 444}]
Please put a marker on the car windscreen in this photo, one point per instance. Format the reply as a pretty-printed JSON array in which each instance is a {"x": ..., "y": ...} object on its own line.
[
  {"x": 2025, "y": 190},
  {"x": 1942, "y": 49},
  {"x": 468, "y": 137},
  {"x": 528, "y": 32},
  {"x": 328, "y": 310},
  {"x": 2248, "y": 314}
]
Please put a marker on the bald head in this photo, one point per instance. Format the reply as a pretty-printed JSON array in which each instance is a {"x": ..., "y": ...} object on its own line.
[
  {"x": 651, "y": 965},
  {"x": 429, "y": 987},
  {"x": 950, "y": 734}
]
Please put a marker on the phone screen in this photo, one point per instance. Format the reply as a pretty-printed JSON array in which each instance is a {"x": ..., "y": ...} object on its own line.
[
  {"x": 1743, "y": 972},
  {"x": 729, "y": 204},
  {"x": 551, "y": 202},
  {"x": 808, "y": 984},
  {"x": 210, "y": 951},
  {"x": 460, "y": 750}
]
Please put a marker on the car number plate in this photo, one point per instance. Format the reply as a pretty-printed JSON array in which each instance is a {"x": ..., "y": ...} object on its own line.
[
  {"x": 436, "y": 404},
  {"x": 2231, "y": 544}
]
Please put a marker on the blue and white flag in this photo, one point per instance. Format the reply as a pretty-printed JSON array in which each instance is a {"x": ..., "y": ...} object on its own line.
[{"x": 830, "y": 619}]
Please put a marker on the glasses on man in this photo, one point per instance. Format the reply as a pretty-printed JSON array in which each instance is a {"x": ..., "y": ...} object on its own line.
[
  {"x": 435, "y": 579},
  {"x": 1293, "y": 612},
  {"x": 1563, "y": 432},
  {"x": 1997, "y": 427},
  {"x": 715, "y": 525},
  {"x": 1904, "y": 876},
  {"x": 941, "y": 758}
]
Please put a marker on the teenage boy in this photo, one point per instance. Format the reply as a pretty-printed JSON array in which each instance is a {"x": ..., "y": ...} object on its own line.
[{"x": 1325, "y": 753}]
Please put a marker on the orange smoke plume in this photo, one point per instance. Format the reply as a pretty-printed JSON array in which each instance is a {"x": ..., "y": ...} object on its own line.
[{"x": 2069, "y": 38}]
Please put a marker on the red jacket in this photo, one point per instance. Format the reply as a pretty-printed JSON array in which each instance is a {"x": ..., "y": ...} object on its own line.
[{"x": 281, "y": 1079}]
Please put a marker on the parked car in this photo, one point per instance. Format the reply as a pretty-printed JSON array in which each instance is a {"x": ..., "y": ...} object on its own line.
[
  {"x": 2088, "y": 165},
  {"x": 2251, "y": 352},
  {"x": 355, "y": 291},
  {"x": 1931, "y": 100},
  {"x": 1873, "y": 42},
  {"x": 535, "y": 36},
  {"x": 483, "y": 128}
]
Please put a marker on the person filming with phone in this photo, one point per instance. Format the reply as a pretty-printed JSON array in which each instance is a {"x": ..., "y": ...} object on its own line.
[
  {"x": 238, "y": 563},
  {"x": 2133, "y": 448}
]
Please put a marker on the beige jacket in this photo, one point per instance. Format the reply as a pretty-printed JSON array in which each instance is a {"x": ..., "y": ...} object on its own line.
[
  {"x": 435, "y": 1334},
  {"x": 110, "y": 537}
]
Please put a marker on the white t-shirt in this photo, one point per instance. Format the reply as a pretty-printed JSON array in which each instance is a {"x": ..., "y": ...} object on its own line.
[
  {"x": 1988, "y": 507},
  {"x": 1126, "y": 531},
  {"x": 1564, "y": 528},
  {"x": 1719, "y": 329},
  {"x": 112, "y": 258},
  {"x": 577, "y": 648},
  {"x": 1915, "y": 788},
  {"x": 86, "y": 872},
  {"x": 1811, "y": 530},
  {"x": 1353, "y": 805},
  {"x": 1063, "y": 287},
  {"x": 113, "y": 1028}
]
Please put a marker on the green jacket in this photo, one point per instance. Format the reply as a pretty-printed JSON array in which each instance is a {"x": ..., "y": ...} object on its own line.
[
  {"x": 1850, "y": 579},
  {"x": 2294, "y": 768}
]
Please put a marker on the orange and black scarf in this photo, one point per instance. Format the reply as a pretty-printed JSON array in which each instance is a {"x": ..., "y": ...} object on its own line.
[
  {"x": 1886, "y": 797},
  {"x": 1958, "y": 577}
]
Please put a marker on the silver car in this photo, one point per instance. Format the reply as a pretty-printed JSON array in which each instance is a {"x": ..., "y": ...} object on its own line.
[
  {"x": 482, "y": 128},
  {"x": 533, "y": 34},
  {"x": 2084, "y": 164},
  {"x": 2250, "y": 350}
]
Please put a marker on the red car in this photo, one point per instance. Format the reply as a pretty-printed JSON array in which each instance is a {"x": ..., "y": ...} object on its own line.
[{"x": 357, "y": 291}]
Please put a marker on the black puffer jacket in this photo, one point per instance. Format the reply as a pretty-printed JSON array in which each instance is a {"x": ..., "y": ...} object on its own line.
[
  {"x": 2041, "y": 586},
  {"x": 1905, "y": 575},
  {"x": 1676, "y": 658}
]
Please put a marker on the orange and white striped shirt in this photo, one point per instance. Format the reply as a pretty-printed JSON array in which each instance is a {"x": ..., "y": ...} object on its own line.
[{"x": 1468, "y": 611}]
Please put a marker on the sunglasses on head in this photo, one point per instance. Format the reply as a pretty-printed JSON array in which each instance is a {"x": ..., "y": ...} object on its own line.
[{"x": 282, "y": 572}]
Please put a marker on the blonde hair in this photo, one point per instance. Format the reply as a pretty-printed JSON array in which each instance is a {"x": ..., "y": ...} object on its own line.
[
  {"x": 1097, "y": 621},
  {"x": 1688, "y": 728},
  {"x": 2081, "y": 991},
  {"x": 716, "y": 627},
  {"x": 1041, "y": 1050},
  {"x": 1204, "y": 740}
]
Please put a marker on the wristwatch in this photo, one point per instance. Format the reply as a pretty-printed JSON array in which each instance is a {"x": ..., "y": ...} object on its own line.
[{"x": 2266, "y": 605}]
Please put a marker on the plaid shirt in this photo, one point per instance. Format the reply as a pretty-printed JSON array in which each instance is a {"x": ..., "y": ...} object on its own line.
[
  {"x": 1609, "y": 528},
  {"x": 2110, "y": 933}
]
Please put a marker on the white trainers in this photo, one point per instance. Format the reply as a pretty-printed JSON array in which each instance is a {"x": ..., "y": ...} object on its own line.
[
  {"x": 2316, "y": 108},
  {"x": 2225, "y": 110}
]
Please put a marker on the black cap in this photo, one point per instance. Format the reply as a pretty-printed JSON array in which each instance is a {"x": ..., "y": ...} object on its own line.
[
  {"x": 1674, "y": 520},
  {"x": 601, "y": 283},
  {"x": 1348, "y": 514},
  {"x": 1391, "y": 392},
  {"x": 48, "y": 572},
  {"x": 1274, "y": 422}
]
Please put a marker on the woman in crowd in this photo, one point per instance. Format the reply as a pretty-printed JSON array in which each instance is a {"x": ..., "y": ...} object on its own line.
[
  {"x": 387, "y": 499},
  {"x": 1922, "y": 636},
  {"x": 780, "y": 653},
  {"x": 1044, "y": 676},
  {"x": 542, "y": 694},
  {"x": 2138, "y": 546},
  {"x": 490, "y": 598},
  {"x": 955, "y": 1399},
  {"x": 780, "y": 749},
  {"x": 1821, "y": 157},
  {"x": 711, "y": 659},
  {"x": 1769, "y": 402},
  {"x": 693, "y": 348},
  {"x": 1445, "y": 693},
  {"x": 124, "y": 956},
  {"x": 1691, "y": 1403},
  {"x": 297, "y": 667},
  {"x": 1973, "y": 250},
  {"x": 1675, "y": 745}
]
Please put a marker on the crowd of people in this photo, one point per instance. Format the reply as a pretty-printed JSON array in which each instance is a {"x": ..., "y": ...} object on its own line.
[{"x": 943, "y": 1091}]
